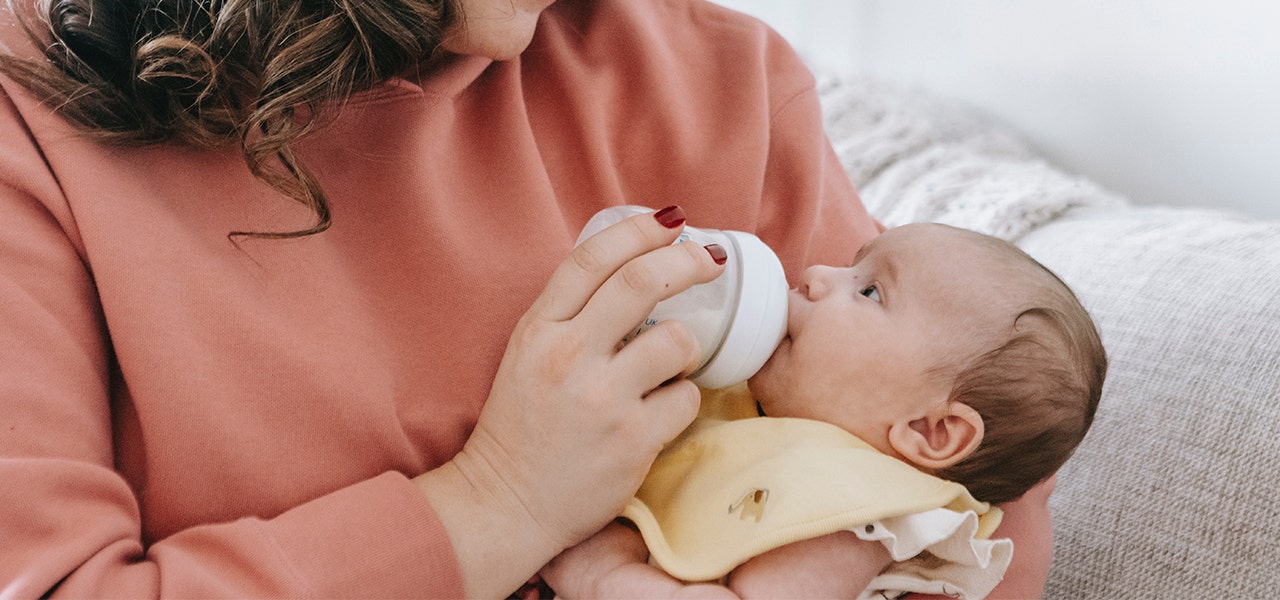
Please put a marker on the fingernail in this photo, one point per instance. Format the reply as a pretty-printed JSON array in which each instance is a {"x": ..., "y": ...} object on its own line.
[
  {"x": 670, "y": 217},
  {"x": 717, "y": 253}
]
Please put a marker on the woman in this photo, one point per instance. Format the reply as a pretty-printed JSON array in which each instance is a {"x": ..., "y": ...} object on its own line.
[{"x": 261, "y": 263}]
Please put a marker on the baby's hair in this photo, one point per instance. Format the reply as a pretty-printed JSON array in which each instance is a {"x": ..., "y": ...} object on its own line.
[
  {"x": 261, "y": 74},
  {"x": 1037, "y": 390}
]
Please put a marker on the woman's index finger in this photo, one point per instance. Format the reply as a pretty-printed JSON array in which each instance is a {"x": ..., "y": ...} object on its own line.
[{"x": 598, "y": 257}]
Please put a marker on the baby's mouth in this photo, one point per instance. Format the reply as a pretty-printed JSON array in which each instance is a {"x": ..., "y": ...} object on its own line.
[{"x": 794, "y": 302}]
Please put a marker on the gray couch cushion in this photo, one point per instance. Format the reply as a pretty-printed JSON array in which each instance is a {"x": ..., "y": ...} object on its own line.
[{"x": 1176, "y": 490}]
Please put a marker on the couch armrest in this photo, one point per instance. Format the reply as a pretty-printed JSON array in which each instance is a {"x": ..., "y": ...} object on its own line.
[{"x": 1175, "y": 489}]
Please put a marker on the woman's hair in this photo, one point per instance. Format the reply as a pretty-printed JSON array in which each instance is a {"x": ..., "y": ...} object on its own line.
[
  {"x": 1037, "y": 390},
  {"x": 261, "y": 74}
]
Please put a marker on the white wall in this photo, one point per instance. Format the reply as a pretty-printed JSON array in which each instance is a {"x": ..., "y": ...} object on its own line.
[{"x": 1165, "y": 101}]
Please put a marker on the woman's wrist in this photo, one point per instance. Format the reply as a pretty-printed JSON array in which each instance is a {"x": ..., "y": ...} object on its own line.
[{"x": 498, "y": 544}]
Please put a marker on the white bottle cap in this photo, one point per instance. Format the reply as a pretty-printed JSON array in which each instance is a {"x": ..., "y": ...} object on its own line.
[{"x": 760, "y": 319}]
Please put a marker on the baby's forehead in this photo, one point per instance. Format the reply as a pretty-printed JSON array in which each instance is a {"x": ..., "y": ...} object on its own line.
[
  {"x": 919, "y": 233},
  {"x": 956, "y": 272},
  {"x": 923, "y": 242}
]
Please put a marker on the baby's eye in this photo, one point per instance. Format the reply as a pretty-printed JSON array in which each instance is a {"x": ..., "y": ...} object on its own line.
[{"x": 871, "y": 292}]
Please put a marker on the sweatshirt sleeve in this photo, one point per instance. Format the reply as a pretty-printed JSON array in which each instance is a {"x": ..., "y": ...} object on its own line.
[
  {"x": 70, "y": 524},
  {"x": 810, "y": 212}
]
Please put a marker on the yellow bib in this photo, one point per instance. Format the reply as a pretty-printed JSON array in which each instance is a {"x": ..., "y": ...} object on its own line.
[{"x": 735, "y": 485}]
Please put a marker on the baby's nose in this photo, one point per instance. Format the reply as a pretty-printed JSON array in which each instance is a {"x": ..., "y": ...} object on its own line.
[{"x": 816, "y": 281}]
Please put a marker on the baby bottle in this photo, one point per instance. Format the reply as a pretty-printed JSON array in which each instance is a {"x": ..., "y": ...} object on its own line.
[{"x": 739, "y": 317}]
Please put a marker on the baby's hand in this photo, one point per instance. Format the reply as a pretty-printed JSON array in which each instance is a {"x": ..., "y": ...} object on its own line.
[
  {"x": 613, "y": 564},
  {"x": 836, "y": 565},
  {"x": 704, "y": 591},
  {"x": 577, "y": 571}
]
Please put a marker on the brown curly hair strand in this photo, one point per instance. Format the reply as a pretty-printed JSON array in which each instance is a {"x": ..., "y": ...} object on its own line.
[{"x": 262, "y": 75}]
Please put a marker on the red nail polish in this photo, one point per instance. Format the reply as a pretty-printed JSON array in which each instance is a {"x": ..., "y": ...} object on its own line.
[
  {"x": 717, "y": 253},
  {"x": 670, "y": 217}
]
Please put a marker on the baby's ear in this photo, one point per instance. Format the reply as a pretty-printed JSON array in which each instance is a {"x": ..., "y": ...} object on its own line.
[{"x": 940, "y": 439}]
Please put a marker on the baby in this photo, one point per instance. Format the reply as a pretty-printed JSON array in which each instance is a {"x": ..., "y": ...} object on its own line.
[{"x": 944, "y": 367}]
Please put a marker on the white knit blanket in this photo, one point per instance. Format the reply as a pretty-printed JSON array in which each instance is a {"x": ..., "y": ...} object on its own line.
[{"x": 917, "y": 158}]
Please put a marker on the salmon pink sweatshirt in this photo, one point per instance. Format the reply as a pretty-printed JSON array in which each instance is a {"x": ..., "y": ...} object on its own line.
[{"x": 181, "y": 415}]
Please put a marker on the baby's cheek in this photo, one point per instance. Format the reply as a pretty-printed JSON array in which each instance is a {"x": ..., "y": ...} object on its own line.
[
  {"x": 767, "y": 382},
  {"x": 762, "y": 386}
]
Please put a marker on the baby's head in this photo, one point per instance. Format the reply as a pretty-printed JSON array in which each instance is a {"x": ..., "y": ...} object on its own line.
[{"x": 947, "y": 348}]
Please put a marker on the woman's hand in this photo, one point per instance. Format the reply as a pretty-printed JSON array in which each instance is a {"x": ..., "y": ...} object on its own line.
[{"x": 573, "y": 420}]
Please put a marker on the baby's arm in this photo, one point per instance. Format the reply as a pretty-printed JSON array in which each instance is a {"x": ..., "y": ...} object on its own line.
[
  {"x": 836, "y": 565},
  {"x": 612, "y": 564}
]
